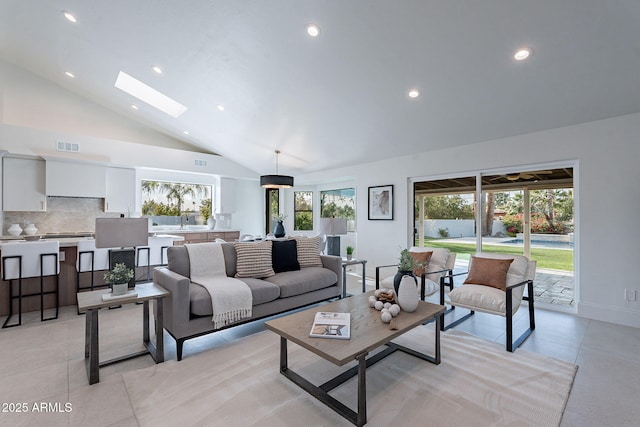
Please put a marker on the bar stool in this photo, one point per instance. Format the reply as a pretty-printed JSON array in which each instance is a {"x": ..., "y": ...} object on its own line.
[
  {"x": 90, "y": 259},
  {"x": 156, "y": 253},
  {"x": 23, "y": 260}
]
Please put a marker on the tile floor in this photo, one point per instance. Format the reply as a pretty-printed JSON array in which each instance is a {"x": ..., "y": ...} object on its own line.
[{"x": 43, "y": 364}]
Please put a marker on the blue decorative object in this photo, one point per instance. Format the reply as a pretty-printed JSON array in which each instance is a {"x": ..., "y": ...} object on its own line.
[{"x": 278, "y": 230}]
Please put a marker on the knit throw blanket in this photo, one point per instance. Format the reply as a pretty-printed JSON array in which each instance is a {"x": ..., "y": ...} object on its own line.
[{"x": 230, "y": 298}]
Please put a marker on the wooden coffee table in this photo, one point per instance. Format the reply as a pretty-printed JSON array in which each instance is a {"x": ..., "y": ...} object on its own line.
[{"x": 367, "y": 333}]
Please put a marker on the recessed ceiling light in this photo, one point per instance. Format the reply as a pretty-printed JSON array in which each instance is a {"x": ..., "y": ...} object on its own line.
[
  {"x": 149, "y": 95},
  {"x": 313, "y": 30},
  {"x": 220, "y": 107},
  {"x": 522, "y": 54},
  {"x": 134, "y": 106},
  {"x": 69, "y": 74},
  {"x": 414, "y": 93},
  {"x": 157, "y": 69},
  {"x": 69, "y": 16},
  {"x": 185, "y": 132}
]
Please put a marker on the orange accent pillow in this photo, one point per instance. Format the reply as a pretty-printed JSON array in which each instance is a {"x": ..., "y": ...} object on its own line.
[
  {"x": 489, "y": 272},
  {"x": 422, "y": 258}
]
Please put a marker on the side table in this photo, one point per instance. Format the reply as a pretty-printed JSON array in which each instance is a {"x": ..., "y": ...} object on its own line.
[
  {"x": 92, "y": 302},
  {"x": 345, "y": 264}
]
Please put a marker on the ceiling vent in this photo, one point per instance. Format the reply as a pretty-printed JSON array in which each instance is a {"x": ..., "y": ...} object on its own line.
[
  {"x": 67, "y": 146},
  {"x": 200, "y": 162}
]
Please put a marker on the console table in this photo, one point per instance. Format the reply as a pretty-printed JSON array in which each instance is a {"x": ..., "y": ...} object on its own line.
[{"x": 92, "y": 302}]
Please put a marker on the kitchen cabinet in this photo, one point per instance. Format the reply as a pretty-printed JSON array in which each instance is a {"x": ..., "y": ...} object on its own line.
[
  {"x": 75, "y": 179},
  {"x": 211, "y": 236},
  {"x": 120, "y": 190},
  {"x": 23, "y": 185}
]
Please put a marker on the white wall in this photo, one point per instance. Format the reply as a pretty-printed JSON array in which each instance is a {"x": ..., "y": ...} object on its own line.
[{"x": 605, "y": 153}]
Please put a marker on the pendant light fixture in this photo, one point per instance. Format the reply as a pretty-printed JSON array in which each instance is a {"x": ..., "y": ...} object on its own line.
[{"x": 276, "y": 181}]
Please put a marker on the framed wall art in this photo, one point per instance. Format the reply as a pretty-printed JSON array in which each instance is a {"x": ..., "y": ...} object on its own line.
[{"x": 381, "y": 202}]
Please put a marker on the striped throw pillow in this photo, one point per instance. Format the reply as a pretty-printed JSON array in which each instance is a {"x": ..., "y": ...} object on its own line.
[
  {"x": 254, "y": 259},
  {"x": 309, "y": 251}
]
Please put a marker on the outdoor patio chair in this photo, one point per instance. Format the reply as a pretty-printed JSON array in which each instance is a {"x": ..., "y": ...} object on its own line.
[
  {"x": 440, "y": 265},
  {"x": 495, "y": 284}
]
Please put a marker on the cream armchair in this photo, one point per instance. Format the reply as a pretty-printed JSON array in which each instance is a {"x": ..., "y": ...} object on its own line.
[
  {"x": 495, "y": 284},
  {"x": 440, "y": 266}
]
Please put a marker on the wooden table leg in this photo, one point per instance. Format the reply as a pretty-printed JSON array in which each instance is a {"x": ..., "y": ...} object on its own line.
[{"x": 91, "y": 346}]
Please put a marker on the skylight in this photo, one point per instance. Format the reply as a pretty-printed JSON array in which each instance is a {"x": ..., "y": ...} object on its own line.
[{"x": 149, "y": 95}]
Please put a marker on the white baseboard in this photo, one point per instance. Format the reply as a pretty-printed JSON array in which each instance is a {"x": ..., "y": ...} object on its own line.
[{"x": 617, "y": 315}]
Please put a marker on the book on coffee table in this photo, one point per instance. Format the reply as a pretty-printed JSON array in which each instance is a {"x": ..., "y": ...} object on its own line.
[{"x": 331, "y": 325}]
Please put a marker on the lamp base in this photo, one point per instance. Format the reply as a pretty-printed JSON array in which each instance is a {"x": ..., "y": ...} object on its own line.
[
  {"x": 126, "y": 256},
  {"x": 333, "y": 245}
]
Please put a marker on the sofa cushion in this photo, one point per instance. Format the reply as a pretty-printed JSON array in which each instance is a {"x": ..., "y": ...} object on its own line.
[
  {"x": 285, "y": 256},
  {"x": 422, "y": 259},
  {"x": 254, "y": 259},
  {"x": 309, "y": 251},
  {"x": 488, "y": 272},
  {"x": 178, "y": 260},
  {"x": 305, "y": 280},
  {"x": 261, "y": 292}
]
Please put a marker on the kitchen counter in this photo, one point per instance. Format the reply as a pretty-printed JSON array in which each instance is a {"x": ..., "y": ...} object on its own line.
[{"x": 66, "y": 242}]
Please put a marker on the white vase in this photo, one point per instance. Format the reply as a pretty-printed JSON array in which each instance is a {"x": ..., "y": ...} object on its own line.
[
  {"x": 14, "y": 230},
  {"x": 408, "y": 294},
  {"x": 119, "y": 288},
  {"x": 30, "y": 229},
  {"x": 211, "y": 223}
]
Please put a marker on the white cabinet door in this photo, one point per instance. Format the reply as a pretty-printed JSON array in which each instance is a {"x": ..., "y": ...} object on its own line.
[
  {"x": 75, "y": 179},
  {"x": 121, "y": 194},
  {"x": 227, "y": 195},
  {"x": 23, "y": 185}
]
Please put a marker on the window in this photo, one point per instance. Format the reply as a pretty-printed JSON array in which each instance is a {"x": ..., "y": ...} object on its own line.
[
  {"x": 303, "y": 210},
  {"x": 273, "y": 208},
  {"x": 339, "y": 204},
  {"x": 176, "y": 203}
]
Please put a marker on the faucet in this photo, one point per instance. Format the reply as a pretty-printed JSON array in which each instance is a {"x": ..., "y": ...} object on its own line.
[{"x": 185, "y": 218}]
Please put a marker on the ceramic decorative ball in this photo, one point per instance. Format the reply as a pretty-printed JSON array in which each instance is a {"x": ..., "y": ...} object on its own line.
[
  {"x": 386, "y": 316},
  {"x": 394, "y": 310},
  {"x": 379, "y": 305}
]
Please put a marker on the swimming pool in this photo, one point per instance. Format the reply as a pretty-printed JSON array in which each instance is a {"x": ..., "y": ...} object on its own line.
[{"x": 543, "y": 244}]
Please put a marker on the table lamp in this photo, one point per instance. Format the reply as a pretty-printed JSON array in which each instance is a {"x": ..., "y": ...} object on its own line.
[{"x": 333, "y": 228}]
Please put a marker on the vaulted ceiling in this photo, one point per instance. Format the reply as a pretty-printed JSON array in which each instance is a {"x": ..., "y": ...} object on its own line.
[{"x": 340, "y": 98}]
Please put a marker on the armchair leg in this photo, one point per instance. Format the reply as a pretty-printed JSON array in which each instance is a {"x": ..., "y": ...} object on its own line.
[
  {"x": 456, "y": 322},
  {"x": 511, "y": 346}
]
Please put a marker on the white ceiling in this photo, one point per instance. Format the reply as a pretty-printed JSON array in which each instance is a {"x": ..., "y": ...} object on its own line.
[{"x": 339, "y": 99}]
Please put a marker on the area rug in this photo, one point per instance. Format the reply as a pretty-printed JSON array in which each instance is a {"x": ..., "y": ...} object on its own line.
[{"x": 478, "y": 383}]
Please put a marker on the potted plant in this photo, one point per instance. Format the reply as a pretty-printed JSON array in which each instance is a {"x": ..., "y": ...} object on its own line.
[
  {"x": 207, "y": 213},
  {"x": 406, "y": 264},
  {"x": 278, "y": 230},
  {"x": 119, "y": 278},
  {"x": 349, "y": 252}
]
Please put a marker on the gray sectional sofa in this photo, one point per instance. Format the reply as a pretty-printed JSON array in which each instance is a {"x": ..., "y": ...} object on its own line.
[{"x": 188, "y": 310}]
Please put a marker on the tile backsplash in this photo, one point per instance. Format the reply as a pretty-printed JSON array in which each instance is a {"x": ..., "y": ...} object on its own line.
[{"x": 64, "y": 214}]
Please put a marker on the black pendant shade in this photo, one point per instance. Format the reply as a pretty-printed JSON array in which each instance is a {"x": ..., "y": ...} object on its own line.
[{"x": 276, "y": 181}]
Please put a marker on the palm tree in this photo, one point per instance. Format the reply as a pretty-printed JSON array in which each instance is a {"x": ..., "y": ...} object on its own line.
[{"x": 175, "y": 191}]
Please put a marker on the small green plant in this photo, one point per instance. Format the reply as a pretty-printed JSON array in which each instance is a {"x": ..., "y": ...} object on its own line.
[
  {"x": 443, "y": 232},
  {"x": 279, "y": 217},
  {"x": 205, "y": 209},
  {"x": 349, "y": 250},
  {"x": 120, "y": 274},
  {"x": 406, "y": 262}
]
